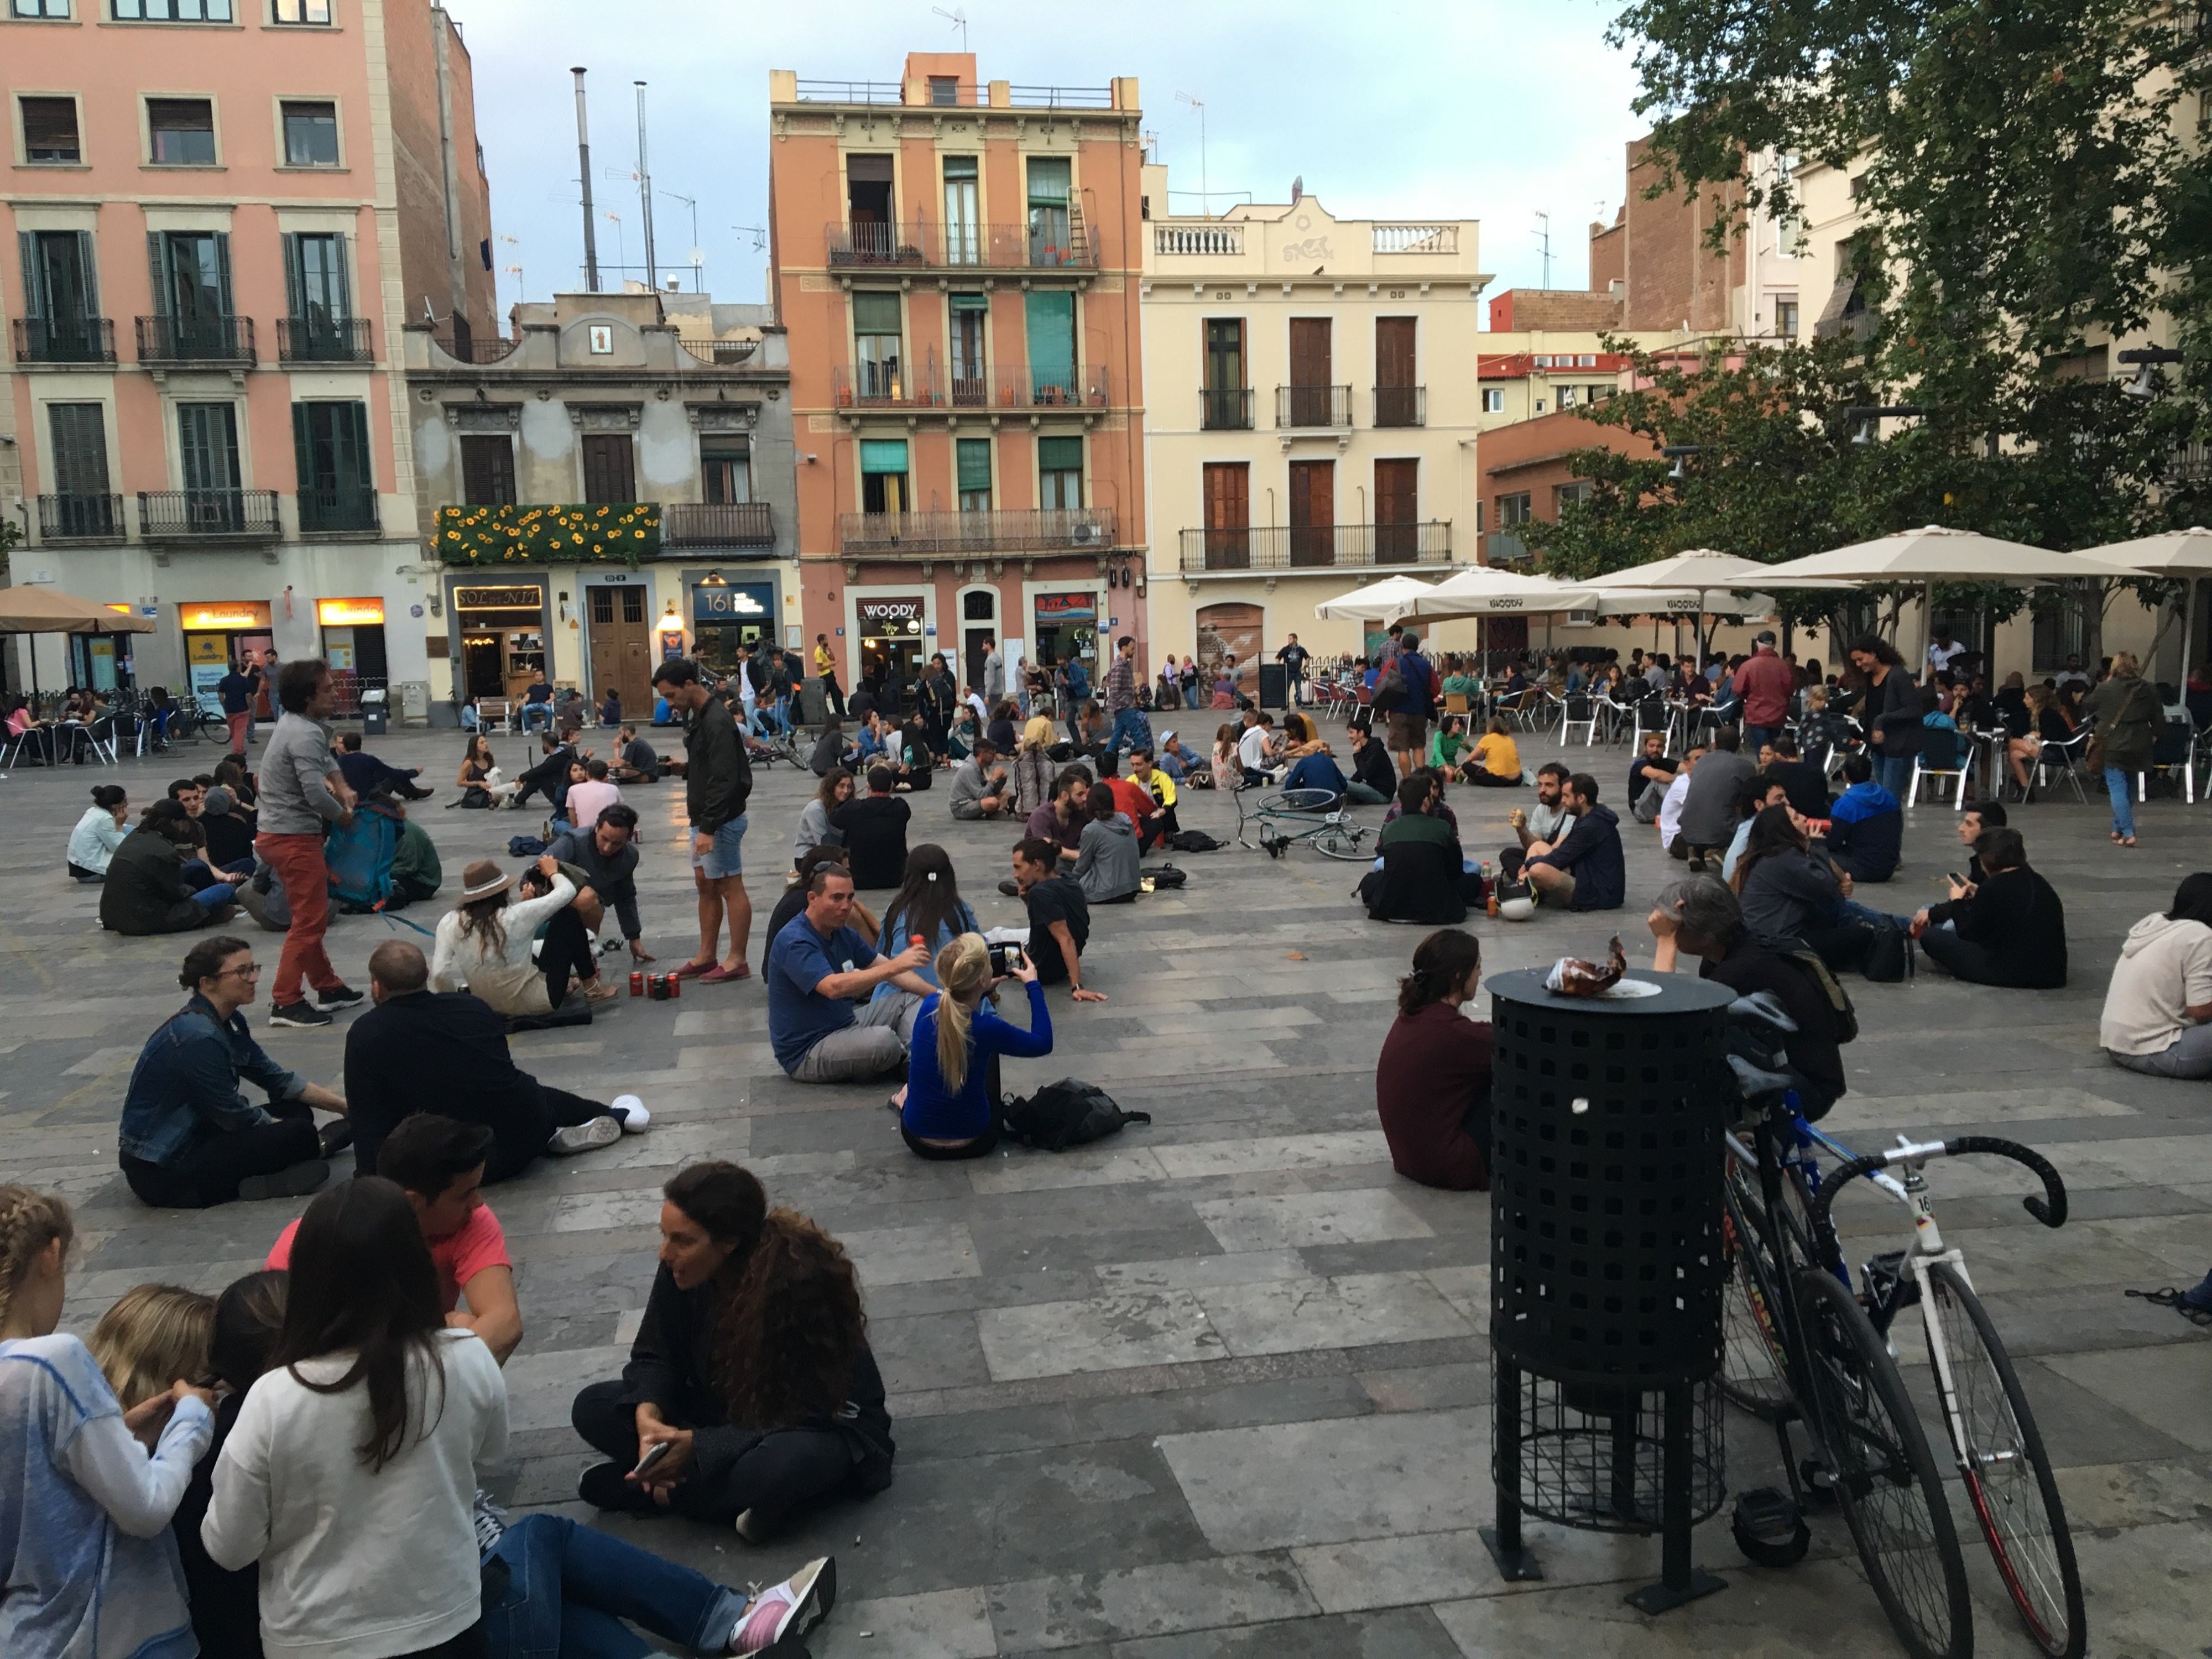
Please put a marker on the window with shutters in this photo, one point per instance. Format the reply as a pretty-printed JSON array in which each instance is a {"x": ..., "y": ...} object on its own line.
[
  {"x": 338, "y": 488},
  {"x": 1060, "y": 473},
  {"x": 50, "y": 131},
  {"x": 1311, "y": 399},
  {"x": 1227, "y": 406},
  {"x": 1048, "y": 197},
  {"x": 883, "y": 475},
  {"x": 876, "y": 343},
  {"x": 191, "y": 288},
  {"x": 315, "y": 287},
  {"x": 311, "y": 135},
  {"x": 173, "y": 11},
  {"x": 207, "y": 445},
  {"x": 971, "y": 320},
  {"x": 61, "y": 298},
  {"x": 488, "y": 469},
  {"x": 726, "y": 468},
  {"x": 963, "y": 244},
  {"x": 1050, "y": 319},
  {"x": 180, "y": 132},
  {"x": 974, "y": 455},
  {"x": 1397, "y": 378},
  {"x": 1397, "y": 509},
  {"x": 1227, "y": 489},
  {"x": 78, "y": 457},
  {"x": 608, "y": 474}
]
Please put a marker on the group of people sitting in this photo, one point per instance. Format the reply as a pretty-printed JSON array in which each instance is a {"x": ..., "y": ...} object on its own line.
[{"x": 1568, "y": 853}]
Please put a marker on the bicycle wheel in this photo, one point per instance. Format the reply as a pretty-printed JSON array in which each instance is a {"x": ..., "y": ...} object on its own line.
[
  {"x": 1754, "y": 1364},
  {"x": 1345, "y": 840},
  {"x": 2008, "y": 1478},
  {"x": 1883, "y": 1476}
]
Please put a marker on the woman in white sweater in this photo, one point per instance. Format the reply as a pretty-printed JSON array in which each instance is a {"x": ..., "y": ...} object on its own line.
[
  {"x": 99, "y": 832},
  {"x": 484, "y": 943},
  {"x": 351, "y": 1473}
]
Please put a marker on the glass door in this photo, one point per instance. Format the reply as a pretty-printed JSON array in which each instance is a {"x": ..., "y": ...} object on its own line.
[
  {"x": 964, "y": 241},
  {"x": 208, "y": 444}
]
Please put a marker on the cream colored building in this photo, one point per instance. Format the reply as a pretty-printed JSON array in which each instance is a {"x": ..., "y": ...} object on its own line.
[{"x": 1311, "y": 410}]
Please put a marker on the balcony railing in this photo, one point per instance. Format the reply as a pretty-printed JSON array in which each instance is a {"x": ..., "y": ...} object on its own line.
[
  {"x": 893, "y": 92},
  {"x": 717, "y": 524},
  {"x": 1317, "y": 547},
  {"x": 1225, "y": 409},
  {"x": 323, "y": 340},
  {"x": 1220, "y": 239},
  {"x": 878, "y": 385},
  {"x": 722, "y": 353},
  {"x": 477, "y": 347},
  {"x": 1047, "y": 530},
  {"x": 1401, "y": 405},
  {"x": 1504, "y": 547},
  {"x": 223, "y": 339},
  {"x": 1312, "y": 405},
  {"x": 928, "y": 246},
  {"x": 1416, "y": 239},
  {"x": 184, "y": 515},
  {"x": 64, "y": 340},
  {"x": 334, "y": 509},
  {"x": 80, "y": 518}
]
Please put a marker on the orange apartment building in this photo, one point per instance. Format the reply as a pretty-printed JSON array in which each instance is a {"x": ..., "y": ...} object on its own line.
[
  {"x": 220, "y": 216},
  {"x": 957, "y": 263}
]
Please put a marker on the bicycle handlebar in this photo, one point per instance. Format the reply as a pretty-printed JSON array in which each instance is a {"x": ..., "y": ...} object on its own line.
[{"x": 2050, "y": 1209}]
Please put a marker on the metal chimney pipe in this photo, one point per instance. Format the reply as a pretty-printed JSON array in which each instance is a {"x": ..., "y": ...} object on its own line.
[
  {"x": 645, "y": 191},
  {"x": 583, "y": 171}
]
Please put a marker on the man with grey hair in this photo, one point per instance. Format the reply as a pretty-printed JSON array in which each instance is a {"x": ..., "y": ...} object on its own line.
[
  {"x": 1700, "y": 917},
  {"x": 1765, "y": 684}
]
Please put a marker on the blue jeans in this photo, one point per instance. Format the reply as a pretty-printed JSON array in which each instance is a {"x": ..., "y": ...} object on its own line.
[
  {"x": 1754, "y": 736},
  {"x": 215, "y": 897},
  {"x": 571, "y": 1586},
  {"x": 2121, "y": 787},
  {"x": 1138, "y": 728},
  {"x": 537, "y": 714},
  {"x": 1893, "y": 773}
]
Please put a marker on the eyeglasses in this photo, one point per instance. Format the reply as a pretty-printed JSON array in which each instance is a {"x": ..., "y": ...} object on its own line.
[{"x": 248, "y": 971}]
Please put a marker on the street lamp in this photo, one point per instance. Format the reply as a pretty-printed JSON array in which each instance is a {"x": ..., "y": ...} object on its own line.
[
  {"x": 1676, "y": 452},
  {"x": 1865, "y": 421},
  {"x": 2146, "y": 360}
]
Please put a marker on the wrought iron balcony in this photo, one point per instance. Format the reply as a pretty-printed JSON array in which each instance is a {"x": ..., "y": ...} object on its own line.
[
  {"x": 323, "y": 340},
  {"x": 947, "y": 535},
  {"x": 927, "y": 245},
  {"x": 1313, "y": 406},
  {"x": 337, "y": 509},
  {"x": 64, "y": 340},
  {"x": 1317, "y": 547},
  {"x": 880, "y": 386},
  {"x": 1401, "y": 405},
  {"x": 717, "y": 524},
  {"x": 884, "y": 386},
  {"x": 1225, "y": 409},
  {"x": 723, "y": 354},
  {"x": 78, "y": 517},
  {"x": 216, "y": 340},
  {"x": 478, "y": 348},
  {"x": 213, "y": 514}
]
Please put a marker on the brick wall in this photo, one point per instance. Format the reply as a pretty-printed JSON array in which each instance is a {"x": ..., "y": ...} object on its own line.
[
  {"x": 1608, "y": 252},
  {"x": 412, "y": 28},
  {"x": 1559, "y": 310},
  {"x": 1673, "y": 278}
]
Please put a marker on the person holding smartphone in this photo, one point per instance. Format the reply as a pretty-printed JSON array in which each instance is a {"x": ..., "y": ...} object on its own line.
[{"x": 951, "y": 1108}]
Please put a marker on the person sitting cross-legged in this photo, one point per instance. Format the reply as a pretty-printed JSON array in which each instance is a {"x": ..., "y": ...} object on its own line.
[
  {"x": 2158, "y": 1009},
  {"x": 1493, "y": 760},
  {"x": 1318, "y": 770},
  {"x": 1060, "y": 916},
  {"x": 1792, "y": 895},
  {"x": 1373, "y": 782},
  {"x": 873, "y": 829},
  {"x": 1156, "y": 782},
  {"x": 1106, "y": 863},
  {"x": 1585, "y": 868},
  {"x": 980, "y": 785},
  {"x": 2010, "y": 930},
  {"x": 189, "y": 1139},
  {"x": 1648, "y": 777},
  {"x": 146, "y": 891},
  {"x": 635, "y": 761},
  {"x": 421, "y": 1050},
  {"x": 483, "y": 945},
  {"x": 818, "y": 965},
  {"x": 1423, "y": 876},
  {"x": 752, "y": 1367},
  {"x": 1866, "y": 826},
  {"x": 951, "y": 1105}
]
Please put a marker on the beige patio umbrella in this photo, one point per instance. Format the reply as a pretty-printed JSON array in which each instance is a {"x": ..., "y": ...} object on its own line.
[
  {"x": 1376, "y": 602},
  {"x": 1722, "y": 584},
  {"x": 34, "y": 610},
  {"x": 2185, "y": 555},
  {"x": 1482, "y": 590}
]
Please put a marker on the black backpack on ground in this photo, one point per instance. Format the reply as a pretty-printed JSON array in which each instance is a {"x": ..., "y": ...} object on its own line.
[
  {"x": 1888, "y": 955},
  {"x": 1166, "y": 875},
  {"x": 1847, "y": 1018},
  {"x": 1193, "y": 840},
  {"x": 1065, "y": 1114}
]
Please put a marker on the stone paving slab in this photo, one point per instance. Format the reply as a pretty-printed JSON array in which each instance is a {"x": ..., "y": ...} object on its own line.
[{"x": 1220, "y": 1387}]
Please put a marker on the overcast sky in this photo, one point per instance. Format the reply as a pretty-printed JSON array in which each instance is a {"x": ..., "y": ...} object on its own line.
[{"x": 1484, "y": 109}]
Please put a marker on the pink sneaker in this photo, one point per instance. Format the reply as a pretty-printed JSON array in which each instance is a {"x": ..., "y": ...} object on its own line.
[{"x": 792, "y": 1608}]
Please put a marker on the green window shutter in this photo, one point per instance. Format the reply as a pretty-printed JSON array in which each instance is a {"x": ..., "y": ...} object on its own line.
[
  {"x": 960, "y": 166},
  {"x": 87, "y": 273},
  {"x": 1048, "y": 180},
  {"x": 1050, "y": 315},
  {"x": 1060, "y": 454},
  {"x": 303, "y": 446},
  {"x": 156, "y": 273},
  {"x": 341, "y": 277},
  {"x": 971, "y": 302},
  {"x": 222, "y": 269},
  {"x": 976, "y": 463},
  {"x": 875, "y": 312},
  {"x": 34, "y": 291},
  {"x": 296, "y": 285},
  {"x": 882, "y": 455},
  {"x": 352, "y": 434}
]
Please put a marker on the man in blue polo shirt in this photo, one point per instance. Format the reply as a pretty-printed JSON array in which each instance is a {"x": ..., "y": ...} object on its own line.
[{"x": 817, "y": 967}]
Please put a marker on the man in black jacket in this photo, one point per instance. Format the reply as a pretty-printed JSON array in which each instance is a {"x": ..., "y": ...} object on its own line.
[
  {"x": 551, "y": 775},
  {"x": 420, "y": 1050},
  {"x": 1372, "y": 783},
  {"x": 718, "y": 780},
  {"x": 603, "y": 857},
  {"x": 2010, "y": 930}
]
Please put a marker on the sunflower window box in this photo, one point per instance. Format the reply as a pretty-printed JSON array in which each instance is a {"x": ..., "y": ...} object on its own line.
[{"x": 579, "y": 533}]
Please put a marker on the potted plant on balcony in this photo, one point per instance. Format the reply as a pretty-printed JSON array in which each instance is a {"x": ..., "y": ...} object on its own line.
[{"x": 908, "y": 254}]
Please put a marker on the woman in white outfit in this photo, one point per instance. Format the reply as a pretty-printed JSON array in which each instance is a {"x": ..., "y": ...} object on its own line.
[{"x": 485, "y": 943}]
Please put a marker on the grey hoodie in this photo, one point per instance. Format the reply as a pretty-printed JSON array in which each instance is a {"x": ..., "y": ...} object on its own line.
[{"x": 1106, "y": 859}]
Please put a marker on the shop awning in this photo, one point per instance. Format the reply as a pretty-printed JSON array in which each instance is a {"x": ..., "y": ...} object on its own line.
[{"x": 47, "y": 611}]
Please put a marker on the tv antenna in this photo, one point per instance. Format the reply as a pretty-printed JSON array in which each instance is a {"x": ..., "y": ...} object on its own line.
[
  {"x": 1544, "y": 240},
  {"x": 958, "y": 20},
  {"x": 758, "y": 232},
  {"x": 1205, "y": 196}
]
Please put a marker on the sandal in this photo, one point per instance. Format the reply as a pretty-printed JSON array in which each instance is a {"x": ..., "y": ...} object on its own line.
[
  {"x": 2171, "y": 1297},
  {"x": 694, "y": 969}
]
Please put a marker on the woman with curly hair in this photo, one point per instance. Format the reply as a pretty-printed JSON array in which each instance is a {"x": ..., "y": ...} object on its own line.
[{"x": 749, "y": 1387}]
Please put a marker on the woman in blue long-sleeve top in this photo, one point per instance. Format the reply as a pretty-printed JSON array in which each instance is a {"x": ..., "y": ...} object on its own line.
[{"x": 952, "y": 1066}]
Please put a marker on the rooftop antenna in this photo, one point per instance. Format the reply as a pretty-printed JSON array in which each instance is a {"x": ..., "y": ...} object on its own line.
[
  {"x": 698, "y": 253},
  {"x": 645, "y": 191},
  {"x": 1544, "y": 241},
  {"x": 758, "y": 232},
  {"x": 583, "y": 171},
  {"x": 1205, "y": 196},
  {"x": 958, "y": 20}
]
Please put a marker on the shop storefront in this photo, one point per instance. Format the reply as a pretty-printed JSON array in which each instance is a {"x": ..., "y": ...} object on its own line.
[
  {"x": 892, "y": 630},
  {"x": 219, "y": 633},
  {"x": 353, "y": 645},
  {"x": 727, "y": 614},
  {"x": 502, "y": 635},
  {"x": 1067, "y": 625}
]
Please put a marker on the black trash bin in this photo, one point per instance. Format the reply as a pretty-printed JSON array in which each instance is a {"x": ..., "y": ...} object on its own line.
[
  {"x": 374, "y": 716},
  {"x": 1607, "y": 1265}
]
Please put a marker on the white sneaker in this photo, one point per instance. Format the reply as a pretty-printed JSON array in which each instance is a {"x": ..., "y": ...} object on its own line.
[
  {"x": 631, "y": 1110},
  {"x": 583, "y": 1137},
  {"x": 792, "y": 1608}
]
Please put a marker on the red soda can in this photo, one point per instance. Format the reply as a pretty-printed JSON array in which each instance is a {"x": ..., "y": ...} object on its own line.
[
  {"x": 675, "y": 986},
  {"x": 637, "y": 985}
]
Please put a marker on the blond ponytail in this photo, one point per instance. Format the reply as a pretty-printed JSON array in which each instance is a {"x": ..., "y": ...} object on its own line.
[
  {"x": 29, "y": 1221},
  {"x": 963, "y": 968}
]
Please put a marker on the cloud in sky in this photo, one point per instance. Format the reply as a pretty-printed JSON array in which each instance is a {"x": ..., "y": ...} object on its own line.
[{"x": 1422, "y": 108}]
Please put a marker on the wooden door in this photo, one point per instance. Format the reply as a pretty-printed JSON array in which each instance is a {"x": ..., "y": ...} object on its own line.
[
  {"x": 1397, "y": 511},
  {"x": 607, "y": 467},
  {"x": 1313, "y": 513},
  {"x": 1311, "y": 372},
  {"x": 1396, "y": 397},
  {"x": 621, "y": 650},
  {"x": 1228, "y": 515}
]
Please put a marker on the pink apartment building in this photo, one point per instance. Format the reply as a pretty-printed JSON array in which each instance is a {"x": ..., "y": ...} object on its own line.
[{"x": 223, "y": 214}]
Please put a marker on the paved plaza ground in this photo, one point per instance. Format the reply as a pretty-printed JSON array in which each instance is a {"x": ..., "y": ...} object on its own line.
[{"x": 1220, "y": 1385}]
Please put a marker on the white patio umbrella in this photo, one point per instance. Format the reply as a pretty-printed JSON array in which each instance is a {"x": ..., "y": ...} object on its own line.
[
  {"x": 1719, "y": 584},
  {"x": 1376, "y": 602},
  {"x": 2185, "y": 555},
  {"x": 1482, "y": 590}
]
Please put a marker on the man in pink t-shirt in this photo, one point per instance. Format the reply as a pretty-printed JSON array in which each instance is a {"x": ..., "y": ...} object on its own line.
[
  {"x": 591, "y": 796},
  {"x": 440, "y": 1164}
]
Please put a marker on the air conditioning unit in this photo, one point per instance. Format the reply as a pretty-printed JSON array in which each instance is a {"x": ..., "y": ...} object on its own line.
[
  {"x": 1582, "y": 619},
  {"x": 1087, "y": 532}
]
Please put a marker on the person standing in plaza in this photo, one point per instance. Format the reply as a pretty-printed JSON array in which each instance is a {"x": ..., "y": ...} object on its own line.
[
  {"x": 2127, "y": 714},
  {"x": 1409, "y": 713},
  {"x": 301, "y": 791},
  {"x": 995, "y": 670},
  {"x": 1890, "y": 712},
  {"x": 1294, "y": 657},
  {"x": 236, "y": 690},
  {"x": 825, "y": 670},
  {"x": 1131, "y": 730},
  {"x": 717, "y": 782},
  {"x": 1765, "y": 683}
]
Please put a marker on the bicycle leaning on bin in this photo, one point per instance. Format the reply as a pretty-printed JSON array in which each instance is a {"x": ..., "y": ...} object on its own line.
[{"x": 1802, "y": 1344}]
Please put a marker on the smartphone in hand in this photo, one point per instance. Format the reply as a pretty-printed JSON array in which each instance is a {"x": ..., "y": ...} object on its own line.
[{"x": 659, "y": 1450}]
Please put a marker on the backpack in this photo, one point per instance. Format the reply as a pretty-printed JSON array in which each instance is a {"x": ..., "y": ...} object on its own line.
[
  {"x": 1065, "y": 1114},
  {"x": 1888, "y": 955},
  {"x": 1390, "y": 690},
  {"x": 359, "y": 856},
  {"x": 1839, "y": 999},
  {"x": 1193, "y": 840},
  {"x": 1168, "y": 876},
  {"x": 525, "y": 847}
]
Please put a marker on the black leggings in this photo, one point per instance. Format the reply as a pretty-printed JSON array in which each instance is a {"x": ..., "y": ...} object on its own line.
[
  {"x": 1482, "y": 780},
  {"x": 982, "y": 1146},
  {"x": 779, "y": 1472},
  {"x": 209, "y": 1172},
  {"x": 519, "y": 1138},
  {"x": 565, "y": 953}
]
